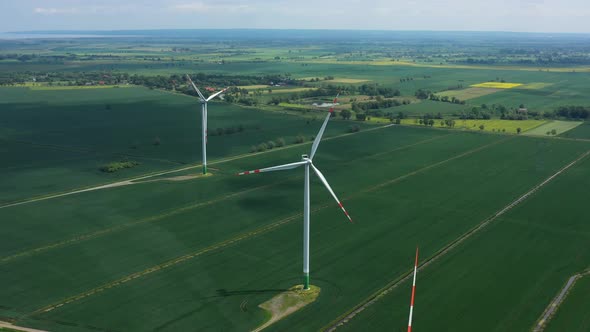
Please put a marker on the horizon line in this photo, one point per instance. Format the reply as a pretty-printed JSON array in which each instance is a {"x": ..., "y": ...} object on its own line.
[{"x": 38, "y": 31}]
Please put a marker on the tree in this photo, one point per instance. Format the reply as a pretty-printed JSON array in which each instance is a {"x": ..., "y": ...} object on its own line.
[
  {"x": 553, "y": 132},
  {"x": 361, "y": 116},
  {"x": 345, "y": 114},
  {"x": 481, "y": 127},
  {"x": 518, "y": 130},
  {"x": 262, "y": 147}
]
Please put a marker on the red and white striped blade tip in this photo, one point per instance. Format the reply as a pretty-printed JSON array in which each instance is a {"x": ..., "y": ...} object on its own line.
[
  {"x": 333, "y": 102},
  {"x": 249, "y": 172},
  {"x": 346, "y": 213}
]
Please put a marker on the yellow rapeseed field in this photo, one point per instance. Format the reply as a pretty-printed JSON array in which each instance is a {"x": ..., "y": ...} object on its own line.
[{"x": 496, "y": 85}]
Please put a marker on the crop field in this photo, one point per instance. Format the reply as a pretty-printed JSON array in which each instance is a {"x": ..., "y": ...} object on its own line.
[
  {"x": 493, "y": 125},
  {"x": 581, "y": 131},
  {"x": 496, "y": 85},
  {"x": 69, "y": 140},
  {"x": 349, "y": 80},
  {"x": 101, "y": 261},
  {"x": 573, "y": 315},
  {"x": 469, "y": 93},
  {"x": 37, "y": 86},
  {"x": 523, "y": 258},
  {"x": 560, "y": 127},
  {"x": 428, "y": 106},
  {"x": 535, "y": 86}
]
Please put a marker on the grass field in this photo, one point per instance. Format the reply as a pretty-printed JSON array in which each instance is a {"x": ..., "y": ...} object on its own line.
[
  {"x": 573, "y": 315},
  {"x": 504, "y": 126},
  {"x": 525, "y": 255},
  {"x": 560, "y": 127}
]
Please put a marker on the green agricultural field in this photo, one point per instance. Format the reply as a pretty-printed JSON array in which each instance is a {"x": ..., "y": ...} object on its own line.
[
  {"x": 573, "y": 314},
  {"x": 269, "y": 260},
  {"x": 469, "y": 93},
  {"x": 582, "y": 131},
  {"x": 523, "y": 258},
  {"x": 428, "y": 107},
  {"x": 560, "y": 127},
  {"x": 75, "y": 132}
]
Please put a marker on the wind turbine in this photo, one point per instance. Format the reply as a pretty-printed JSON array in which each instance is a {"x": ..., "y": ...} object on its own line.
[
  {"x": 204, "y": 118},
  {"x": 306, "y": 161}
]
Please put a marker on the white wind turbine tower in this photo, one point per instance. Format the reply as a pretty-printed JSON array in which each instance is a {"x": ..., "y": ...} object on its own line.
[
  {"x": 306, "y": 161},
  {"x": 204, "y": 118}
]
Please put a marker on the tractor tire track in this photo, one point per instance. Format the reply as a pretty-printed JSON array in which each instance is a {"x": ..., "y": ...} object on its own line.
[
  {"x": 236, "y": 239},
  {"x": 347, "y": 316}
]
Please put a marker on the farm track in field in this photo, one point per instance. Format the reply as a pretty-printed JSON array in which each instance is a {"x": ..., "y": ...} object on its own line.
[
  {"x": 557, "y": 301},
  {"x": 445, "y": 250},
  {"x": 18, "y": 328},
  {"x": 121, "y": 227},
  {"x": 243, "y": 236},
  {"x": 131, "y": 181}
]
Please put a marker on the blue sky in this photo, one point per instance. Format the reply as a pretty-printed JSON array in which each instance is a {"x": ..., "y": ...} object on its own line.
[{"x": 468, "y": 15}]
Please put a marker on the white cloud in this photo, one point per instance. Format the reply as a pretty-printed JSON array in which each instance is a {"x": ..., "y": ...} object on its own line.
[{"x": 54, "y": 11}]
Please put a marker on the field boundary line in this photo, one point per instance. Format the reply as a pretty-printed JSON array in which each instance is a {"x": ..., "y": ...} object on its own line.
[
  {"x": 121, "y": 227},
  {"x": 557, "y": 301},
  {"x": 373, "y": 298},
  {"x": 131, "y": 180},
  {"x": 238, "y": 238}
]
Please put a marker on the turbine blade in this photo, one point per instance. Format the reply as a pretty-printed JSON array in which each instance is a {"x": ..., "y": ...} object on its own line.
[
  {"x": 413, "y": 292},
  {"x": 196, "y": 89},
  {"x": 325, "y": 182},
  {"x": 318, "y": 138},
  {"x": 275, "y": 168},
  {"x": 216, "y": 94}
]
